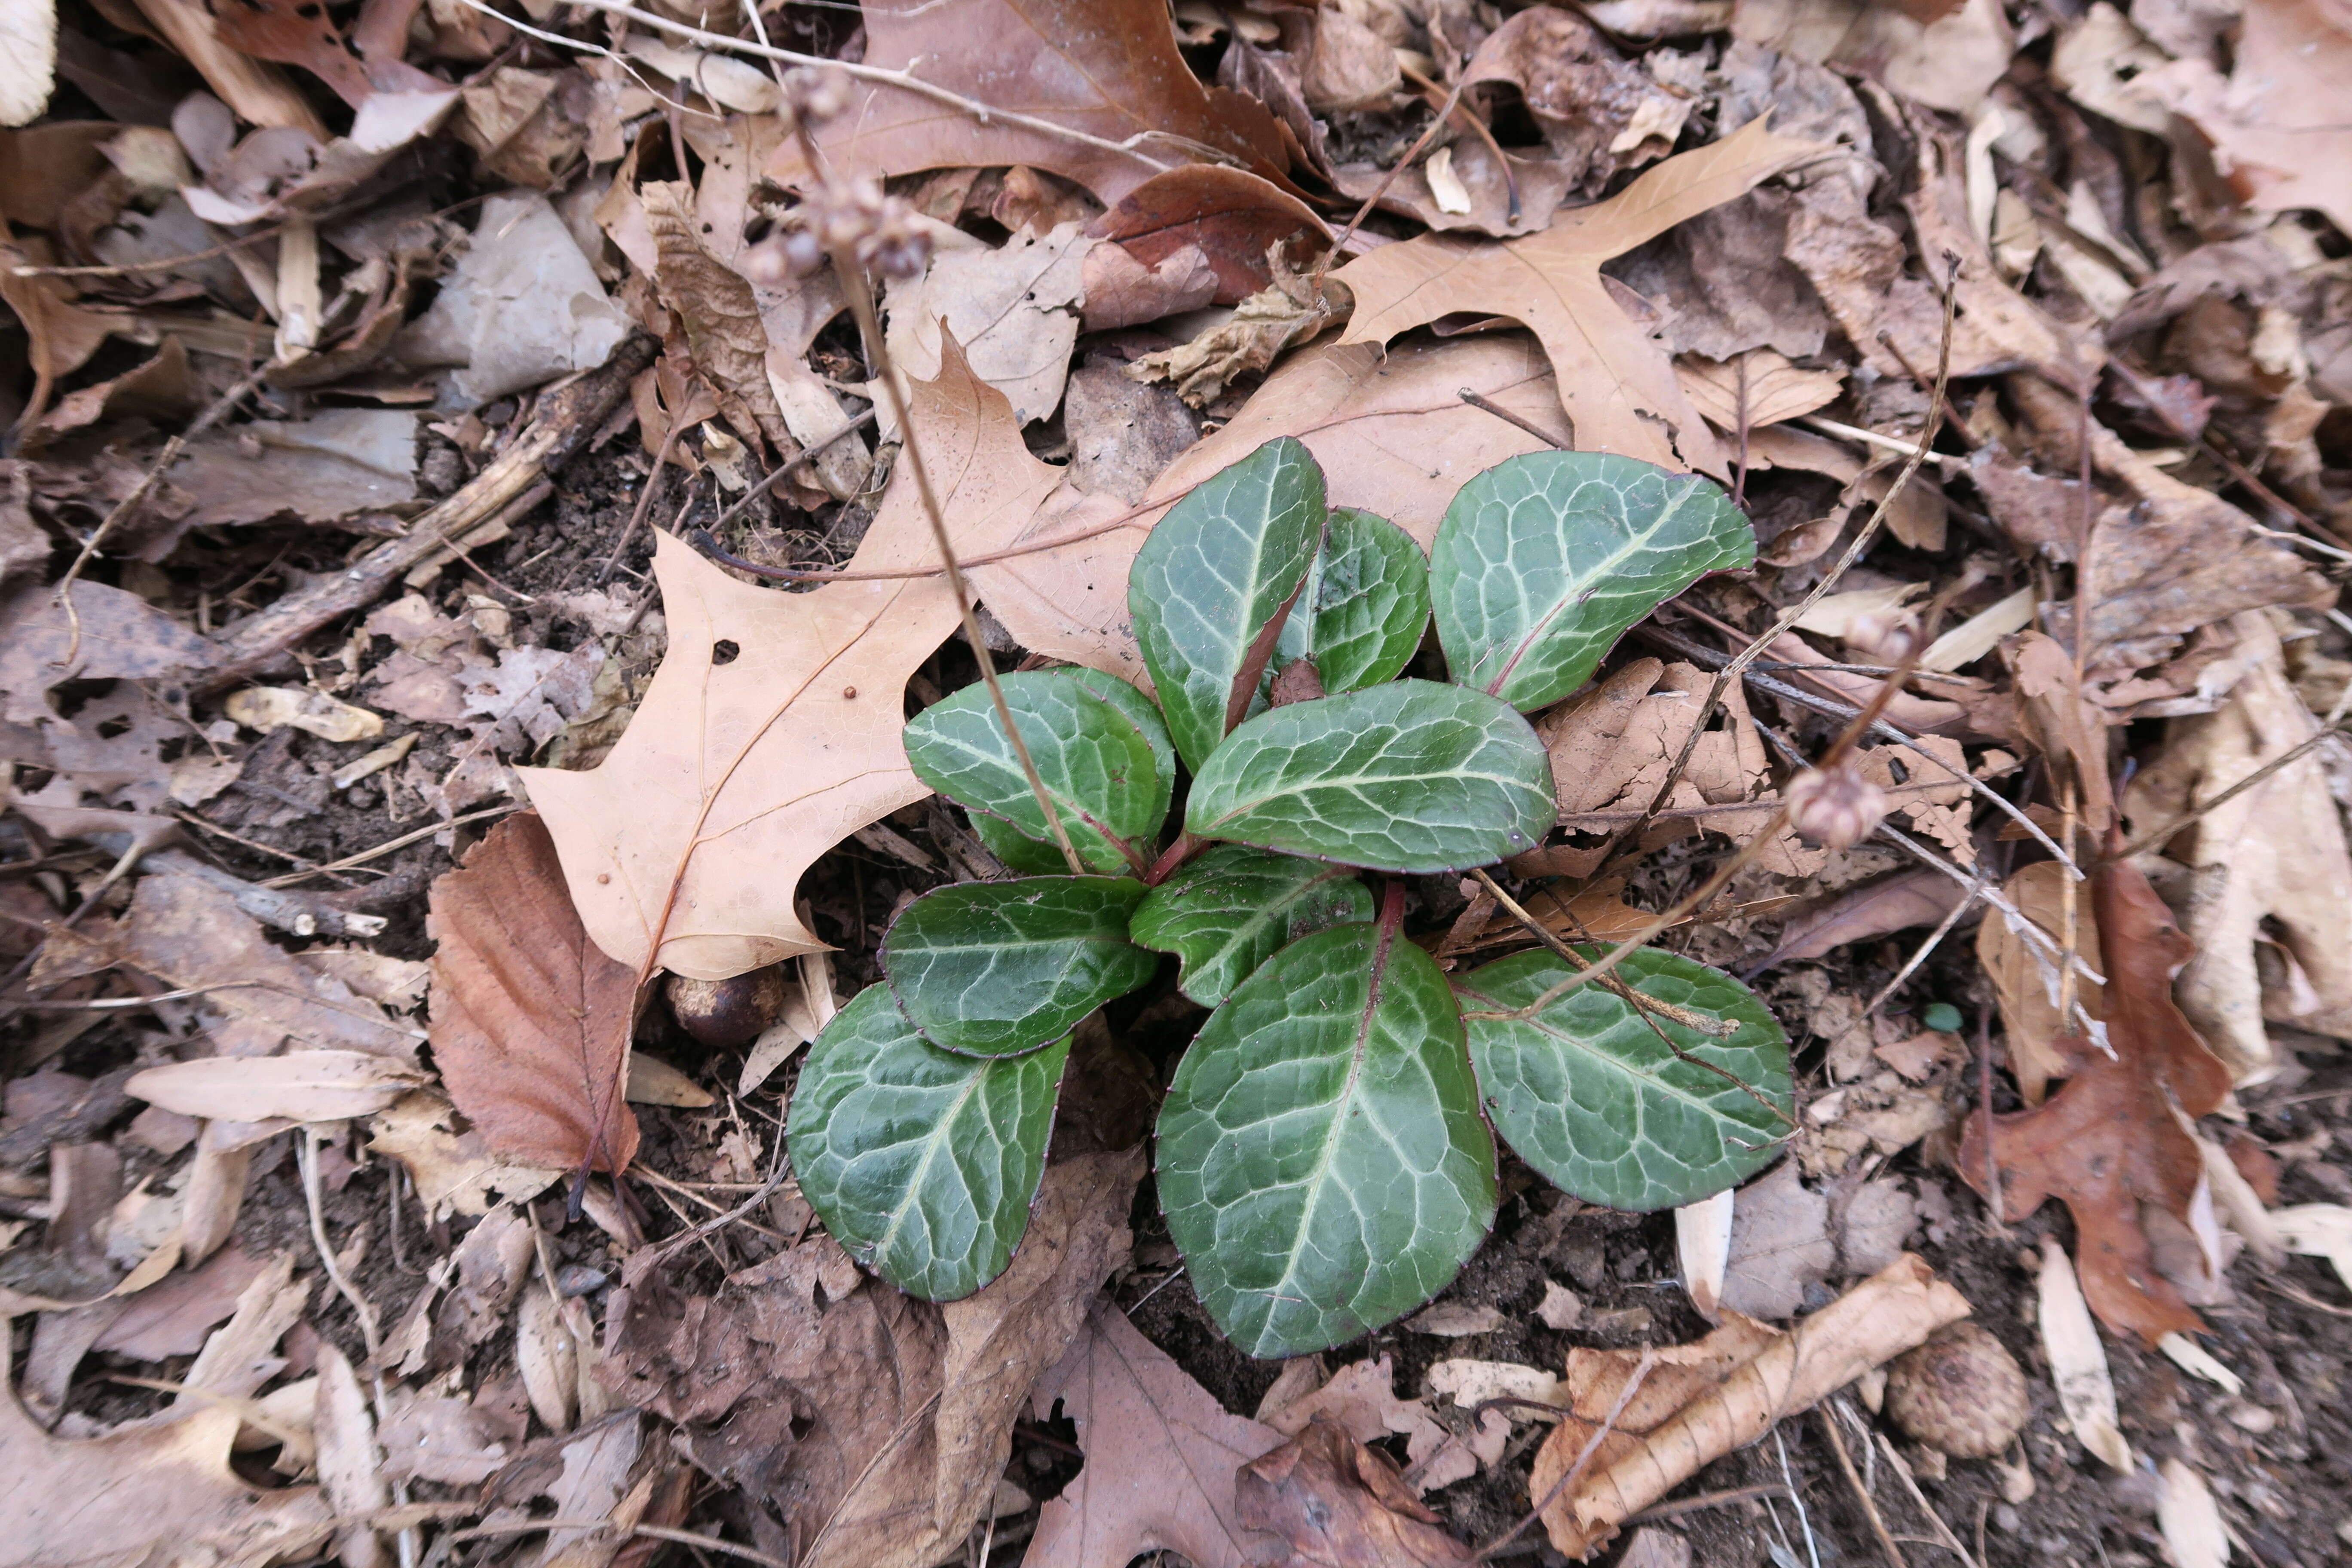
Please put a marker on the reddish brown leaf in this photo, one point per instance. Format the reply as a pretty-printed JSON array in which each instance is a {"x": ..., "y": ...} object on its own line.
[
  {"x": 2108, "y": 1142},
  {"x": 1204, "y": 220},
  {"x": 530, "y": 1020},
  {"x": 303, "y": 35},
  {"x": 1336, "y": 1502}
]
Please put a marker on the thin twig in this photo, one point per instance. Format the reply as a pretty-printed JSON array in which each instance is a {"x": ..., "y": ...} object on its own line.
[
  {"x": 1852, "y": 1479},
  {"x": 306, "y": 1154},
  {"x": 1796, "y": 1499},
  {"x": 221, "y": 408},
  {"x": 1935, "y": 939},
  {"x": 2157, "y": 835},
  {"x": 1911, "y": 1484},
  {"x": 1697, "y": 1023},
  {"x": 1487, "y": 405},
  {"x": 402, "y": 842},
  {"x": 1584, "y": 1456},
  {"x": 645, "y": 500},
  {"x": 1412, "y": 153}
]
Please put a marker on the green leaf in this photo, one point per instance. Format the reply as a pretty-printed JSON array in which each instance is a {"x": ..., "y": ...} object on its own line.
[
  {"x": 921, "y": 1162},
  {"x": 1030, "y": 856},
  {"x": 1209, "y": 584},
  {"x": 1099, "y": 758},
  {"x": 1322, "y": 1163},
  {"x": 1365, "y": 605},
  {"x": 1410, "y": 776},
  {"x": 1544, "y": 559},
  {"x": 993, "y": 969},
  {"x": 1227, "y": 911},
  {"x": 1588, "y": 1094}
]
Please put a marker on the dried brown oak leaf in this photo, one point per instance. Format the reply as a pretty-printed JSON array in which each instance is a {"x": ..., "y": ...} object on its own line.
[
  {"x": 1702, "y": 1400},
  {"x": 531, "y": 1021},
  {"x": 2110, "y": 1140},
  {"x": 145, "y": 1492},
  {"x": 1160, "y": 1456},
  {"x": 1391, "y": 431},
  {"x": 1615, "y": 379},
  {"x": 1109, "y": 68},
  {"x": 2269, "y": 866},
  {"x": 772, "y": 729},
  {"x": 1335, "y": 1503},
  {"x": 719, "y": 312}
]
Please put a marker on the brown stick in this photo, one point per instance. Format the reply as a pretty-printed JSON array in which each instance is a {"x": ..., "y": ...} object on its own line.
[
  {"x": 1854, "y": 1479},
  {"x": 566, "y": 420}
]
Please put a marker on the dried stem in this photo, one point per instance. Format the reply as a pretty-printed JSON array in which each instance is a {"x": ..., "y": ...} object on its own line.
[
  {"x": 1412, "y": 154},
  {"x": 1697, "y": 1023},
  {"x": 1854, "y": 1479},
  {"x": 1487, "y": 405},
  {"x": 2157, "y": 835},
  {"x": 1584, "y": 1456},
  {"x": 1935, "y": 939}
]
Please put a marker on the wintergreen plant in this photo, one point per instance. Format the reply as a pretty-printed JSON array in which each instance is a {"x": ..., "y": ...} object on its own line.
[{"x": 1326, "y": 1151}]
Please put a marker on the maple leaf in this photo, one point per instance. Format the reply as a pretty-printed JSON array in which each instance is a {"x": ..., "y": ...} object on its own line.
[
  {"x": 2109, "y": 1140},
  {"x": 1616, "y": 380},
  {"x": 772, "y": 729},
  {"x": 1107, "y": 68},
  {"x": 530, "y": 1022}
]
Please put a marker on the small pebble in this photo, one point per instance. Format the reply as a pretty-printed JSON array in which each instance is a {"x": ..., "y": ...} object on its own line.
[
  {"x": 2252, "y": 1418},
  {"x": 578, "y": 1279},
  {"x": 2004, "y": 1518}
]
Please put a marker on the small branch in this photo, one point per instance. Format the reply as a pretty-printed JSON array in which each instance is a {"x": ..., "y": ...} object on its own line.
[
  {"x": 1584, "y": 1456},
  {"x": 1697, "y": 1023},
  {"x": 1854, "y": 1480},
  {"x": 1487, "y": 405},
  {"x": 1411, "y": 155},
  {"x": 1935, "y": 939}
]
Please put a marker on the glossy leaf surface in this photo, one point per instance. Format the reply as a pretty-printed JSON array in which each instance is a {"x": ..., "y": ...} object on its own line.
[
  {"x": 921, "y": 1162},
  {"x": 1408, "y": 776},
  {"x": 1231, "y": 909},
  {"x": 995, "y": 968},
  {"x": 1589, "y": 1095},
  {"x": 1322, "y": 1163},
  {"x": 1365, "y": 605},
  {"x": 1105, "y": 761},
  {"x": 1544, "y": 559},
  {"x": 1211, "y": 582}
]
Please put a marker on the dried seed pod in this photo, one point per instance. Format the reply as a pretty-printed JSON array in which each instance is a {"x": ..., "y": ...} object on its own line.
[
  {"x": 1960, "y": 1393},
  {"x": 723, "y": 1014},
  {"x": 1834, "y": 805}
]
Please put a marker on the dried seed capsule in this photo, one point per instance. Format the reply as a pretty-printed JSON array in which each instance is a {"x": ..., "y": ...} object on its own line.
[
  {"x": 727, "y": 1013},
  {"x": 1960, "y": 1393},
  {"x": 1836, "y": 805}
]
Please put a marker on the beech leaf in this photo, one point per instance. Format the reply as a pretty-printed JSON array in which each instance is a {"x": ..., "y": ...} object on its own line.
[
  {"x": 1616, "y": 380},
  {"x": 772, "y": 729},
  {"x": 1322, "y": 1163},
  {"x": 531, "y": 1021},
  {"x": 993, "y": 969}
]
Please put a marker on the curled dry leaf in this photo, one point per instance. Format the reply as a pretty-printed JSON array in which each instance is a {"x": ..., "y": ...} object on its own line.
[
  {"x": 1615, "y": 380},
  {"x": 2271, "y": 873},
  {"x": 2078, "y": 1363},
  {"x": 530, "y": 1022},
  {"x": 2110, "y": 1140},
  {"x": 1194, "y": 236},
  {"x": 1013, "y": 309},
  {"x": 301, "y": 1086},
  {"x": 1111, "y": 71},
  {"x": 771, "y": 731},
  {"x": 455, "y": 1172},
  {"x": 1361, "y": 1398},
  {"x": 1335, "y": 1503},
  {"x": 1702, "y": 1401}
]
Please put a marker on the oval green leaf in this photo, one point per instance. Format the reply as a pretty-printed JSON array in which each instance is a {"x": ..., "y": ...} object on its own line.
[
  {"x": 1099, "y": 758},
  {"x": 1209, "y": 588},
  {"x": 1365, "y": 605},
  {"x": 993, "y": 969},
  {"x": 1543, "y": 560},
  {"x": 1588, "y": 1094},
  {"x": 1410, "y": 776},
  {"x": 1322, "y": 1162},
  {"x": 921, "y": 1162},
  {"x": 1231, "y": 909}
]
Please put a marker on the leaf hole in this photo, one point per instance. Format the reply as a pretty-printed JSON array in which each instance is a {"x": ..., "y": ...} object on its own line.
[{"x": 725, "y": 651}]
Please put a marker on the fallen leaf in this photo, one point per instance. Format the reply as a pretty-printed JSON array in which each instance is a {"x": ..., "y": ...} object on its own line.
[
  {"x": 350, "y": 1465},
  {"x": 1780, "y": 1244},
  {"x": 30, "y": 36},
  {"x": 1907, "y": 898},
  {"x": 1561, "y": 1308},
  {"x": 2188, "y": 1519},
  {"x": 2025, "y": 975},
  {"x": 1291, "y": 309},
  {"x": 1361, "y": 1398},
  {"x": 542, "y": 1083},
  {"x": 2271, "y": 872},
  {"x": 2110, "y": 1140},
  {"x": 1160, "y": 1456},
  {"x": 454, "y": 1440},
  {"x": 1195, "y": 235},
  {"x": 1615, "y": 380},
  {"x": 2318, "y": 1230},
  {"x": 1334, "y": 1501},
  {"x": 267, "y": 707},
  {"x": 144, "y": 1489},
  {"x": 1112, "y": 72},
  {"x": 174, "y": 1318},
  {"x": 1122, "y": 436},
  {"x": 123, "y": 638},
  {"x": 784, "y": 710},
  {"x": 1457, "y": 1320},
  {"x": 1705, "y": 1400},
  {"x": 1013, "y": 310},
  {"x": 1945, "y": 63},
  {"x": 301, "y": 1086},
  {"x": 1775, "y": 388},
  {"x": 323, "y": 469},
  {"x": 453, "y": 1172},
  {"x": 2078, "y": 1363},
  {"x": 1702, "y": 1243}
]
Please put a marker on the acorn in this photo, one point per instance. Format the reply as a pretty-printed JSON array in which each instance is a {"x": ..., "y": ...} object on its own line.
[
  {"x": 723, "y": 1014},
  {"x": 1960, "y": 1393}
]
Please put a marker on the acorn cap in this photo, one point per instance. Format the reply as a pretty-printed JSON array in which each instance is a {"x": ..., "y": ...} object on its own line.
[{"x": 1960, "y": 1393}]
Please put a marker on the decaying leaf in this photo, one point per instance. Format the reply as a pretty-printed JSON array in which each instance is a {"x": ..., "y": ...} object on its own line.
[
  {"x": 1616, "y": 380},
  {"x": 2078, "y": 1363},
  {"x": 455, "y": 1172},
  {"x": 2025, "y": 974},
  {"x": 1702, "y": 1400},
  {"x": 2110, "y": 1140},
  {"x": 1333, "y": 1501},
  {"x": 1362, "y": 1399},
  {"x": 1013, "y": 309},
  {"x": 542, "y": 1083},
  {"x": 1160, "y": 1456},
  {"x": 1290, "y": 309}
]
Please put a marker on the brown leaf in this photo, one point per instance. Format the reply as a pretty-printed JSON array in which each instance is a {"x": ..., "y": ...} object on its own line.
[
  {"x": 1292, "y": 310},
  {"x": 1108, "y": 68},
  {"x": 1013, "y": 309},
  {"x": 2110, "y": 1140},
  {"x": 2271, "y": 876},
  {"x": 296, "y": 33},
  {"x": 1192, "y": 237},
  {"x": 455, "y": 1172},
  {"x": 771, "y": 731},
  {"x": 1946, "y": 58},
  {"x": 1614, "y": 378},
  {"x": 1361, "y": 1400},
  {"x": 720, "y": 311},
  {"x": 1160, "y": 1456},
  {"x": 1122, "y": 436},
  {"x": 2028, "y": 988},
  {"x": 123, "y": 638},
  {"x": 1915, "y": 897},
  {"x": 1702, "y": 1401},
  {"x": 144, "y": 1490},
  {"x": 530, "y": 1022},
  {"x": 1777, "y": 388},
  {"x": 1335, "y": 1503}
]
